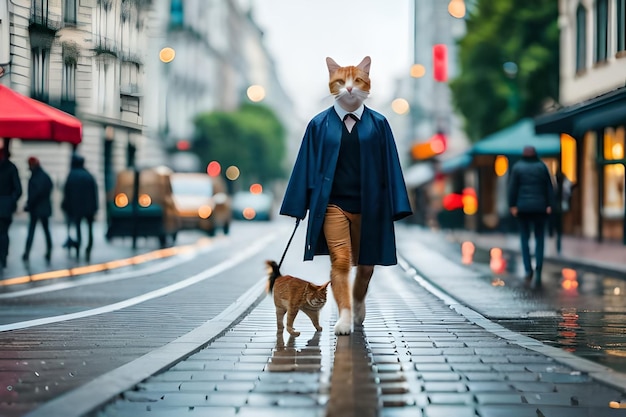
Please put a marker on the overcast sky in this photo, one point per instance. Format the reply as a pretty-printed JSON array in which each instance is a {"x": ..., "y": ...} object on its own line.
[{"x": 301, "y": 34}]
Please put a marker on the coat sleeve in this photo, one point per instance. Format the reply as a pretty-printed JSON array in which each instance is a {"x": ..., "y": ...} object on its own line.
[
  {"x": 297, "y": 195},
  {"x": 399, "y": 198},
  {"x": 513, "y": 187},
  {"x": 550, "y": 194}
]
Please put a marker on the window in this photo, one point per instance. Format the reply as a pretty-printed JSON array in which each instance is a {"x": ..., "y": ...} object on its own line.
[
  {"x": 621, "y": 25},
  {"x": 69, "y": 12},
  {"x": 613, "y": 201},
  {"x": 69, "y": 82},
  {"x": 176, "y": 13},
  {"x": 39, "y": 12},
  {"x": 581, "y": 38},
  {"x": 39, "y": 73},
  {"x": 602, "y": 11}
]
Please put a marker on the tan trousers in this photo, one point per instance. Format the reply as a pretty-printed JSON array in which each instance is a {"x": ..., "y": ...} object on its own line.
[{"x": 343, "y": 235}]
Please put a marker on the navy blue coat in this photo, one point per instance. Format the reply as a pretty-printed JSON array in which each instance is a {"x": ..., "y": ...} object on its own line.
[
  {"x": 530, "y": 186},
  {"x": 80, "y": 199},
  {"x": 384, "y": 197},
  {"x": 10, "y": 188},
  {"x": 39, "y": 191}
]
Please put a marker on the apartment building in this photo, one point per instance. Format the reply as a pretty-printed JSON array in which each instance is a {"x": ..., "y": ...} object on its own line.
[{"x": 102, "y": 61}]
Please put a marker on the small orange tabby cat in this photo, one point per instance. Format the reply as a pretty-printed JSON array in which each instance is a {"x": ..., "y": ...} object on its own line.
[{"x": 293, "y": 294}]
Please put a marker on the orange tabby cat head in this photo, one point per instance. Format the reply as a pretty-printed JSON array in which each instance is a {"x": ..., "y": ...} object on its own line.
[{"x": 350, "y": 85}]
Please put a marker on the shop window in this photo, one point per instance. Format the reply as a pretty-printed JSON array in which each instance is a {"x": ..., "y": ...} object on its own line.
[
  {"x": 581, "y": 38},
  {"x": 602, "y": 11},
  {"x": 613, "y": 200},
  {"x": 568, "y": 157}
]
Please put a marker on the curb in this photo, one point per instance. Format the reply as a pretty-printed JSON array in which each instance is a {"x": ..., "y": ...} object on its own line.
[{"x": 595, "y": 371}]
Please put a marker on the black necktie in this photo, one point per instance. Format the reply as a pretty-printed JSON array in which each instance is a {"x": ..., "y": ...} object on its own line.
[{"x": 356, "y": 119}]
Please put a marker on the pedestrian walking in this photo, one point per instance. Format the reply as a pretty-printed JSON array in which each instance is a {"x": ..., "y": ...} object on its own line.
[
  {"x": 10, "y": 192},
  {"x": 531, "y": 197},
  {"x": 347, "y": 176},
  {"x": 80, "y": 202},
  {"x": 39, "y": 206}
]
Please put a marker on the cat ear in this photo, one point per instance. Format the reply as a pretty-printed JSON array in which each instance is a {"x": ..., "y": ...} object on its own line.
[
  {"x": 332, "y": 65},
  {"x": 324, "y": 286},
  {"x": 365, "y": 65}
]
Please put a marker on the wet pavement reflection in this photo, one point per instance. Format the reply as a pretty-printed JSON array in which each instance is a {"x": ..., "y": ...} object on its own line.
[{"x": 586, "y": 314}]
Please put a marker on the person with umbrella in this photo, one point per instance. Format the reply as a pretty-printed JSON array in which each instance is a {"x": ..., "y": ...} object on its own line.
[
  {"x": 10, "y": 192},
  {"x": 38, "y": 205}
]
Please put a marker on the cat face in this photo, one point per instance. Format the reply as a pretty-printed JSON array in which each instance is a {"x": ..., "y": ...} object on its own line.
[
  {"x": 350, "y": 85},
  {"x": 317, "y": 299}
]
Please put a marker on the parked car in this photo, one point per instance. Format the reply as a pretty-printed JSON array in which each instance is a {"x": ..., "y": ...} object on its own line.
[
  {"x": 202, "y": 202},
  {"x": 142, "y": 206},
  {"x": 253, "y": 206}
]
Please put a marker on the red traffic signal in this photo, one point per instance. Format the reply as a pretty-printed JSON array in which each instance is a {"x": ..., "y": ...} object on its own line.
[{"x": 440, "y": 62}]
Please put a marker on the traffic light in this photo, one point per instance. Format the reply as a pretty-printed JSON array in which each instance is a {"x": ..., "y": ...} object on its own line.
[
  {"x": 440, "y": 62},
  {"x": 436, "y": 145}
]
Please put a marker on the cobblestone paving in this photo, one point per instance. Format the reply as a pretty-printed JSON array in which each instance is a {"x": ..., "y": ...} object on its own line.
[{"x": 415, "y": 356}]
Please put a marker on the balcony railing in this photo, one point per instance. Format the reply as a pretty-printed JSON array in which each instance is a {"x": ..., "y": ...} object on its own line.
[{"x": 42, "y": 17}]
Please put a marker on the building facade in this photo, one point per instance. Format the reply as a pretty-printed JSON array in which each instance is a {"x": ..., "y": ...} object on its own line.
[
  {"x": 591, "y": 116},
  {"x": 102, "y": 61}
]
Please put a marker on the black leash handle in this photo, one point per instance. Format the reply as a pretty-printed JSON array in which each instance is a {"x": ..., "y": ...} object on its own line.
[{"x": 289, "y": 243}]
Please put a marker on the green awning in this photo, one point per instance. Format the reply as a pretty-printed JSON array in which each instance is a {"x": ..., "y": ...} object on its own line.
[{"x": 511, "y": 141}]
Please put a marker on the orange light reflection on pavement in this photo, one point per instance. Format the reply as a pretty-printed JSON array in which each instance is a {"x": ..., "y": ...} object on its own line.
[{"x": 106, "y": 266}]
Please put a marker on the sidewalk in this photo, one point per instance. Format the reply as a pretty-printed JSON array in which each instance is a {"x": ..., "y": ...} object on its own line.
[{"x": 605, "y": 257}]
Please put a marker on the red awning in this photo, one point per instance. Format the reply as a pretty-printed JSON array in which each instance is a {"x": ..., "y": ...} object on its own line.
[{"x": 25, "y": 118}]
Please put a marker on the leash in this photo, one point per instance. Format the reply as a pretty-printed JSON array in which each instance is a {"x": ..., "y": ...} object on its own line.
[{"x": 289, "y": 242}]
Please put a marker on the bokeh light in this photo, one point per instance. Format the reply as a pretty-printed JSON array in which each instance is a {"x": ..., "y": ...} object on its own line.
[
  {"x": 418, "y": 70},
  {"x": 256, "y": 93},
  {"x": 256, "y": 188},
  {"x": 167, "y": 54},
  {"x": 144, "y": 200},
  {"x": 213, "y": 169},
  {"x": 456, "y": 8},
  {"x": 232, "y": 173},
  {"x": 204, "y": 212},
  {"x": 249, "y": 213},
  {"x": 501, "y": 165},
  {"x": 400, "y": 106},
  {"x": 121, "y": 200}
]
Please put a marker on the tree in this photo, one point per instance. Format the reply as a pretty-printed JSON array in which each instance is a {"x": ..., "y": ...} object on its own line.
[
  {"x": 521, "y": 32},
  {"x": 251, "y": 138}
]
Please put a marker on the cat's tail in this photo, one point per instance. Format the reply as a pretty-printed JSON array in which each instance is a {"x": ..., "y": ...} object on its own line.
[{"x": 272, "y": 274}]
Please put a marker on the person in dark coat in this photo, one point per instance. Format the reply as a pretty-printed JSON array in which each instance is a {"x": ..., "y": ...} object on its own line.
[
  {"x": 10, "y": 192},
  {"x": 80, "y": 202},
  {"x": 531, "y": 197},
  {"x": 347, "y": 176},
  {"x": 38, "y": 205}
]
